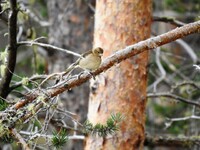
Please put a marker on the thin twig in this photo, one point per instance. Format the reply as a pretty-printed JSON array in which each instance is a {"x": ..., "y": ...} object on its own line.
[
  {"x": 188, "y": 49},
  {"x": 171, "y": 120},
  {"x": 31, "y": 79},
  {"x": 196, "y": 67},
  {"x": 172, "y": 96},
  {"x": 185, "y": 118},
  {"x": 74, "y": 137},
  {"x": 33, "y": 16},
  {"x": 185, "y": 83},
  {"x": 161, "y": 69},
  {"x": 170, "y": 20},
  {"x": 48, "y": 46},
  {"x": 20, "y": 138}
]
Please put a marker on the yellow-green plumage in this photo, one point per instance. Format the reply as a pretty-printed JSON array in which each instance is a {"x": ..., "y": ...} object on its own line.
[{"x": 91, "y": 60}]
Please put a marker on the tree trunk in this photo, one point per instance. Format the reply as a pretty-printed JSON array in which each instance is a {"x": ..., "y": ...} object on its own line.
[
  {"x": 122, "y": 89},
  {"x": 72, "y": 28}
]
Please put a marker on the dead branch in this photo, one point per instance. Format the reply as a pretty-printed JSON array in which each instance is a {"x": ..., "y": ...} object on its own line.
[
  {"x": 20, "y": 139},
  {"x": 170, "y": 20},
  {"x": 174, "y": 97},
  {"x": 154, "y": 141},
  {"x": 48, "y": 46}
]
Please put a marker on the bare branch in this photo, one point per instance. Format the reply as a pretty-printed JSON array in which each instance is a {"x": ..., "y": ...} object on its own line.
[
  {"x": 172, "y": 96},
  {"x": 184, "y": 118},
  {"x": 129, "y": 52},
  {"x": 20, "y": 138},
  {"x": 161, "y": 69},
  {"x": 197, "y": 67},
  {"x": 48, "y": 46},
  {"x": 31, "y": 79},
  {"x": 185, "y": 83},
  {"x": 33, "y": 16},
  {"x": 171, "y": 141},
  {"x": 188, "y": 49},
  {"x": 172, "y": 21},
  {"x": 74, "y": 137}
]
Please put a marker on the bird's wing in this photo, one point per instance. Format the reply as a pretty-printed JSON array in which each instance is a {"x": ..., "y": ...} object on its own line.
[
  {"x": 75, "y": 64},
  {"x": 86, "y": 53}
]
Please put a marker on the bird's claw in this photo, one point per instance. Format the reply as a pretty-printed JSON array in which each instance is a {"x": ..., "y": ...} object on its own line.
[{"x": 93, "y": 76}]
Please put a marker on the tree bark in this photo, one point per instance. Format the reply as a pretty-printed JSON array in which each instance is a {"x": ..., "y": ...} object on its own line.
[{"x": 122, "y": 88}]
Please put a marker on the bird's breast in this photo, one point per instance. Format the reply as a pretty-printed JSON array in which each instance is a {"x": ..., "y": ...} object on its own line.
[{"x": 90, "y": 62}]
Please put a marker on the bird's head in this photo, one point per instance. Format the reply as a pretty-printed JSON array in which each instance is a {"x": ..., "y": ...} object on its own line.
[{"x": 98, "y": 51}]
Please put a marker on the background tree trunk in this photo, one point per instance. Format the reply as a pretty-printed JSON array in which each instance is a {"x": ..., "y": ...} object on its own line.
[
  {"x": 72, "y": 28},
  {"x": 122, "y": 88}
]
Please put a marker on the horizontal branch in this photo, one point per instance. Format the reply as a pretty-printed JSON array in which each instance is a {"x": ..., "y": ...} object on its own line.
[
  {"x": 131, "y": 51},
  {"x": 31, "y": 79},
  {"x": 149, "y": 140},
  {"x": 154, "y": 141},
  {"x": 170, "y": 20},
  {"x": 184, "y": 118},
  {"x": 186, "y": 83},
  {"x": 110, "y": 61},
  {"x": 172, "y": 96},
  {"x": 34, "y": 135}
]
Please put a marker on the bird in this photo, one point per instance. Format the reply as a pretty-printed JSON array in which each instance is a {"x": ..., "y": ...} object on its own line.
[{"x": 89, "y": 61}]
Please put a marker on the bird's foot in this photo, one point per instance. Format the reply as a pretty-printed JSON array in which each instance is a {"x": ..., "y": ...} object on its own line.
[{"x": 93, "y": 76}]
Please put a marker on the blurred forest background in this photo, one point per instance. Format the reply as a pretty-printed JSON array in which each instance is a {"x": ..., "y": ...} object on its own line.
[{"x": 69, "y": 24}]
